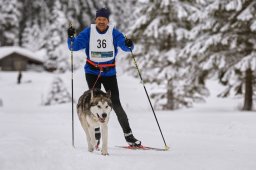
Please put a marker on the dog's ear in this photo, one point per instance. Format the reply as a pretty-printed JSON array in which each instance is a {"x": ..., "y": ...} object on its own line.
[
  {"x": 108, "y": 94},
  {"x": 91, "y": 95}
]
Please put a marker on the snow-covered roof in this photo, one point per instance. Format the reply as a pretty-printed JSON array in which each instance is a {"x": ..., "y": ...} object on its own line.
[{"x": 7, "y": 50}]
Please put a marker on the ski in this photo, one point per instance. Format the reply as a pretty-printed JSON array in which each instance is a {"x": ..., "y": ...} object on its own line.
[{"x": 142, "y": 148}]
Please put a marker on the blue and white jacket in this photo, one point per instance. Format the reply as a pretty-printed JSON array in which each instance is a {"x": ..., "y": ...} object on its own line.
[{"x": 82, "y": 41}]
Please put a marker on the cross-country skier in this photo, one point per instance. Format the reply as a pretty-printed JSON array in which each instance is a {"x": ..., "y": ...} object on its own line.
[{"x": 100, "y": 42}]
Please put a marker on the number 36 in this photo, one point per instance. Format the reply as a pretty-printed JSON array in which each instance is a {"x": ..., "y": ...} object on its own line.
[{"x": 101, "y": 43}]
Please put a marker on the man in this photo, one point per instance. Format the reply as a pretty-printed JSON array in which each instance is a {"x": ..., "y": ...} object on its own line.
[
  {"x": 100, "y": 42},
  {"x": 19, "y": 77}
]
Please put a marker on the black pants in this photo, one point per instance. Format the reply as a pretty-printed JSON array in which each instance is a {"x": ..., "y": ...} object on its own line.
[{"x": 110, "y": 83}]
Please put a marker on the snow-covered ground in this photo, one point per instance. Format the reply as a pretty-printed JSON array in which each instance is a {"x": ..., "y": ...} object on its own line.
[{"x": 210, "y": 136}]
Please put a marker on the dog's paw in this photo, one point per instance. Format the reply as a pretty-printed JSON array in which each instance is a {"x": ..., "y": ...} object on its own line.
[
  {"x": 90, "y": 149},
  {"x": 104, "y": 153}
]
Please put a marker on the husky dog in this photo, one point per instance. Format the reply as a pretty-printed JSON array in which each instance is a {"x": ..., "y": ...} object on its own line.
[{"x": 93, "y": 110}]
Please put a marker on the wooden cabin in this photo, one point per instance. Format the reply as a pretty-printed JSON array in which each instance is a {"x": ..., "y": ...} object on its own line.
[{"x": 18, "y": 59}]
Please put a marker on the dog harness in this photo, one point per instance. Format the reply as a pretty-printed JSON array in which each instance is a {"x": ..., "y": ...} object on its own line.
[{"x": 100, "y": 67}]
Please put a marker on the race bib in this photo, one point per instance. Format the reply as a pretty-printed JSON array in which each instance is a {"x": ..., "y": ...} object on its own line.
[{"x": 101, "y": 45}]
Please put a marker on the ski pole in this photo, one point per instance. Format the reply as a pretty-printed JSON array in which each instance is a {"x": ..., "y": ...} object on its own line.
[
  {"x": 136, "y": 65},
  {"x": 72, "y": 89}
]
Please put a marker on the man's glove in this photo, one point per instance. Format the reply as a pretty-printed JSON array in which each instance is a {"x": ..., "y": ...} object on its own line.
[
  {"x": 128, "y": 42},
  {"x": 71, "y": 32}
]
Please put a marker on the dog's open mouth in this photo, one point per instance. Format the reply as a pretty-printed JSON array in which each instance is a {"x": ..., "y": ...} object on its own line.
[{"x": 102, "y": 120}]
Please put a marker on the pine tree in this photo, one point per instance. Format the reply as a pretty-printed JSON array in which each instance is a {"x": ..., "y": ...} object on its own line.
[
  {"x": 121, "y": 12},
  {"x": 160, "y": 32},
  {"x": 223, "y": 41},
  {"x": 57, "y": 93},
  {"x": 33, "y": 26},
  {"x": 32, "y": 37},
  {"x": 56, "y": 35},
  {"x": 10, "y": 11}
]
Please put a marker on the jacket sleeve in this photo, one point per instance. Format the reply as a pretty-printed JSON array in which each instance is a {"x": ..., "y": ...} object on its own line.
[
  {"x": 81, "y": 41},
  {"x": 119, "y": 40}
]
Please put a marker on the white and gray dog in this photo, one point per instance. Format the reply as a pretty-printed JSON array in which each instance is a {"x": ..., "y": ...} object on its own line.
[{"x": 93, "y": 110}]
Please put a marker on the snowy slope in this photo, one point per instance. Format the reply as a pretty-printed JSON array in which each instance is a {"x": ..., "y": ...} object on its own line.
[{"x": 210, "y": 136}]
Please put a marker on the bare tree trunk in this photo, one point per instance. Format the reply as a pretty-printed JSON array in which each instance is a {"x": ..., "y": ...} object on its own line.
[
  {"x": 170, "y": 96},
  {"x": 248, "y": 90}
]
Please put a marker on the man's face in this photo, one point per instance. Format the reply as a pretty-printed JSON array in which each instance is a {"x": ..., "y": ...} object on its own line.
[{"x": 101, "y": 23}]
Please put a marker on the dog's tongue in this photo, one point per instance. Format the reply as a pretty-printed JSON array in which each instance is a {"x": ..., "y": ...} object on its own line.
[{"x": 102, "y": 120}]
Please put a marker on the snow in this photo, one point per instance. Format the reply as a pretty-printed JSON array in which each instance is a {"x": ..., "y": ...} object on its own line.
[
  {"x": 4, "y": 51},
  {"x": 253, "y": 26},
  {"x": 247, "y": 62},
  {"x": 246, "y": 15},
  {"x": 212, "y": 135},
  {"x": 234, "y": 5},
  {"x": 152, "y": 29},
  {"x": 181, "y": 11}
]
